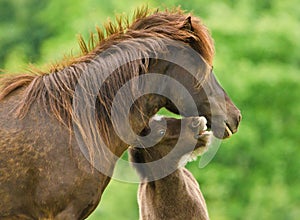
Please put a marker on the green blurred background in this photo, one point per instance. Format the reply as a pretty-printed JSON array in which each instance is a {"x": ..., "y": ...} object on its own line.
[{"x": 255, "y": 174}]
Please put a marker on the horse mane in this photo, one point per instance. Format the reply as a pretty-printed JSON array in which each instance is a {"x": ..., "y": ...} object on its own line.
[{"x": 54, "y": 89}]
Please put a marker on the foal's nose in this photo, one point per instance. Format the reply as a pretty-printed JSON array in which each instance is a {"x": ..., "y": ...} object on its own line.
[
  {"x": 196, "y": 122},
  {"x": 199, "y": 122}
]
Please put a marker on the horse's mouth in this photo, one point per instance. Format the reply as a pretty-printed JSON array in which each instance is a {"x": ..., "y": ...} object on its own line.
[
  {"x": 228, "y": 130},
  {"x": 222, "y": 132},
  {"x": 221, "y": 129}
]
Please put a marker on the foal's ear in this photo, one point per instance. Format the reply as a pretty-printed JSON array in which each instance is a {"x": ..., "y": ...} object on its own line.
[
  {"x": 136, "y": 154},
  {"x": 187, "y": 24}
]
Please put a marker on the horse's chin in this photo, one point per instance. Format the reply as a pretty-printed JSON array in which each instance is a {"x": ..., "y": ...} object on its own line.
[{"x": 223, "y": 132}]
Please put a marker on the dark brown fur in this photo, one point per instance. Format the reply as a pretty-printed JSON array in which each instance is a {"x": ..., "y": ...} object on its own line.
[
  {"x": 43, "y": 173},
  {"x": 176, "y": 196}
]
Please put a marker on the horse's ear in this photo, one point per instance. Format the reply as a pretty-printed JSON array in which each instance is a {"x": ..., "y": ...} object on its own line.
[{"x": 187, "y": 24}]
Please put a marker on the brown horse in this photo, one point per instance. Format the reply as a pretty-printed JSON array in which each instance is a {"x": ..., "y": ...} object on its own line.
[
  {"x": 176, "y": 196},
  {"x": 57, "y": 130}
]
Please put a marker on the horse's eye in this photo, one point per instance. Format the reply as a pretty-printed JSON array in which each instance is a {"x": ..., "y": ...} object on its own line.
[{"x": 162, "y": 132}]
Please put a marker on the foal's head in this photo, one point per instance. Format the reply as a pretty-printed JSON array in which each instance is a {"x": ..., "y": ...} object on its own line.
[{"x": 173, "y": 141}]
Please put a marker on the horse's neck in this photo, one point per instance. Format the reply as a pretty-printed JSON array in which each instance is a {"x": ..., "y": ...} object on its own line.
[
  {"x": 138, "y": 117},
  {"x": 65, "y": 81}
]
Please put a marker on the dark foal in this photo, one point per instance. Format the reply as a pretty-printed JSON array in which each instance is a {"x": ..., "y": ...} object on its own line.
[{"x": 177, "y": 195}]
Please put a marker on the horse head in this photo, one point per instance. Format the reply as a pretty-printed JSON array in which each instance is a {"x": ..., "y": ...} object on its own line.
[{"x": 188, "y": 59}]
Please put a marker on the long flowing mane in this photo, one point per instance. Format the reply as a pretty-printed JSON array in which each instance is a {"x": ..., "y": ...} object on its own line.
[{"x": 54, "y": 89}]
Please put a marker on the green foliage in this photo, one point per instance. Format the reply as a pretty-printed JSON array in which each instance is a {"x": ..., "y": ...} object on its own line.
[
  {"x": 255, "y": 174},
  {"x": 22, "y": 29}
]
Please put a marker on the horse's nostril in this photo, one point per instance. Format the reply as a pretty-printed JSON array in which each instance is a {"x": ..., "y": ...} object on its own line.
[
  {"x": 196, "y": 122},
  {"x": 239, "y": 117}
]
